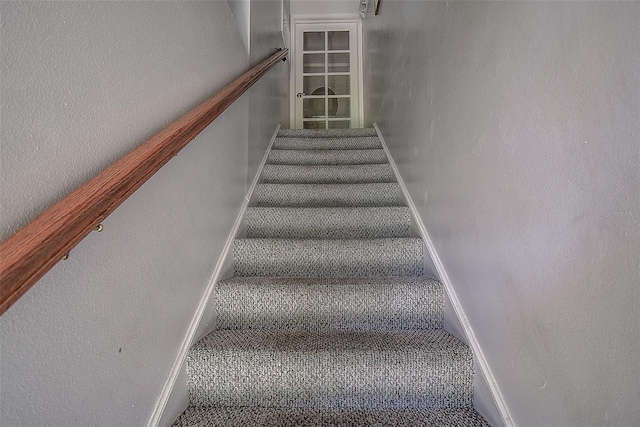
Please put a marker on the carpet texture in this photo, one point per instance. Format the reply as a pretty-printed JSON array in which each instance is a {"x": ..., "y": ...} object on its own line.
[
  {"x": 328, "y": 195},
  {"x": 327, "y": 174},
  {"x": 328, "y": 223},
  {"x": 326, "y": 157},
  {"x": 204, "y": 416},
  {"x": 354, "y": 143},
  {"x": 333, "y": 369},
  {"x": 325, "y": 304},
  {"x": 328, "y": 319},
  {"x": 328, "y": 258}
]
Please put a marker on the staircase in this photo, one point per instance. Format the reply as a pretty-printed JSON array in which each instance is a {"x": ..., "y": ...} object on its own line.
[{"x": 328, "y": 319}]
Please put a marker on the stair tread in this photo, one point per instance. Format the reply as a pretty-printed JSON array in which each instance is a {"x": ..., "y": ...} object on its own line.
[
  {"x": 335, "y": 143},
  {"x": 373, "y": 303},
  {"x": 328, "y": 195},
  {"x": 367, "y": 369},
  {"x": 327, "y": 133},
  {"x": 202, "y": 416},
  {"x": 327, "y": 157},
  {"x": 401, "y": 256},
  {"x": 365, "y": 173},
  {"x": 328, "y": 223},
  {"x": 312, "y": 343}
]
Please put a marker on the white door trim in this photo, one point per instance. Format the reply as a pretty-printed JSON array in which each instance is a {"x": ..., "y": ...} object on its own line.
[{"x": 324, "y": 19}]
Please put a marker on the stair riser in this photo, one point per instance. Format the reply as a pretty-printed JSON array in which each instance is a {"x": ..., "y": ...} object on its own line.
[
  {"x": 291, "y": 174},
  {"x": 325, "y": 305},
  {"x": 326, "y": 157},
  {"x": 276, "y": 374},
  {"x": 328, "y": 258},
  {"x": 328, "y": 195},
  {"x": 243, "y": 416},
  {"x": 328, "y": 223},
  {"x": 366, "y": 382},
  {"x": 355, "y": 143}
]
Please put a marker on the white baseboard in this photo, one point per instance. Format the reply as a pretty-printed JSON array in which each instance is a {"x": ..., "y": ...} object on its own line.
[
  {"x": 444, "y": 277},
  {"x": 187, "y": 341}
]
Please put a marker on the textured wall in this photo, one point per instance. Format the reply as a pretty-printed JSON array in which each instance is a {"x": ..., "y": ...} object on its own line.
[
  {"x": 82, "y": 84},
  {"x": 323, "y": 7},
  {"x": 266, "y": 105},
  {"x": 241, "y": 11},
  {"x": 516, "y": 128}
]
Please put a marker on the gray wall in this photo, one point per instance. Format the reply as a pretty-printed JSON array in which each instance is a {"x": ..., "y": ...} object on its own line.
[
  {"x": 324, "y": 7},
  {"x": 272, "y": 91},
  {"x": 241, "y": 11},
  {"x": 82, "y": 84},
  {"x": 516, "y": 128}
]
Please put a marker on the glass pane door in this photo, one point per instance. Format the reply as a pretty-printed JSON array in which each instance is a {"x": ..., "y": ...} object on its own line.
[{"x": 325, "y": 80}]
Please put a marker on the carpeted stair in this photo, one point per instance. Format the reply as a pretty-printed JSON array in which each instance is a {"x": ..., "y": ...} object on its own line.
[{"x": 328, "y": 320}]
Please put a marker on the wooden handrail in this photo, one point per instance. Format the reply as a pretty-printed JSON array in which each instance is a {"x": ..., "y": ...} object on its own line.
[{"x": 27, "y": 255}]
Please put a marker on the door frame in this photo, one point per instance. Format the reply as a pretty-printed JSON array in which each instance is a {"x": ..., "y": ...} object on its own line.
[{"x": 325, "y": 19}]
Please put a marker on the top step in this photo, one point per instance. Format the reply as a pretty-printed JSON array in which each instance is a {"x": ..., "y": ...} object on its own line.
[
  {"x": 344, "y": 143},
  {"x": 326, "y": 133}
]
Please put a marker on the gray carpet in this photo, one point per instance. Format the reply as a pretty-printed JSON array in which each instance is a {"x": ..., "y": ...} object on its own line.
[
  {"x": 328, "y": 195},
  {"x": 328, "y": 257},
  {"x": 204, "y": 416},
  {"x": 327, "y": 157},
  {"x": 325, "y": 304},
  {"x": 327, "y": 174},
  {"x": 328, "y": 223},
  {"x": 354, "y": 143},
  {"x": 333, "y": 369},
  {"x": 328, "y": 319}
]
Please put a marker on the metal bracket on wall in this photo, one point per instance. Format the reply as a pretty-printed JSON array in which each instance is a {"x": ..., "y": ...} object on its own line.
[
  {"x": 363, "y": 8},
  {"x": 283, "y": 59}
]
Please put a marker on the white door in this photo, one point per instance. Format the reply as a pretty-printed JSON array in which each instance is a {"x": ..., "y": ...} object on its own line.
[{"x": 326, "y": 78}]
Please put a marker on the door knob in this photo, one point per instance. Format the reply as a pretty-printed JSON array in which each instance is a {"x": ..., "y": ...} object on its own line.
[{"x": 300, "y": 94}]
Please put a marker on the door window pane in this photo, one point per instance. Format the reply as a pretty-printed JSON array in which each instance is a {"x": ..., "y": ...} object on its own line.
[
  {"x": 339, "y": 85},
  {"x": 341, "y": 109},
  {"x": 313, "y": 40},
  {"x": 313, "y": 63},
  {"x": 332, "y": 106},
  {"x": 313, "y": 85},
  {"x": 314, "y": 108},
  {"x": 313, "y": 125},
  {"x": 339, "y": 124},
  {"x": 338, "y": 40},
  {"x": 338, "y": 62}
]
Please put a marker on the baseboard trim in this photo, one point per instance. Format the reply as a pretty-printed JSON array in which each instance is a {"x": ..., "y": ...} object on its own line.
[
  {"x": 455, "y": 302},
  {"x": 187, "y": 341}
]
